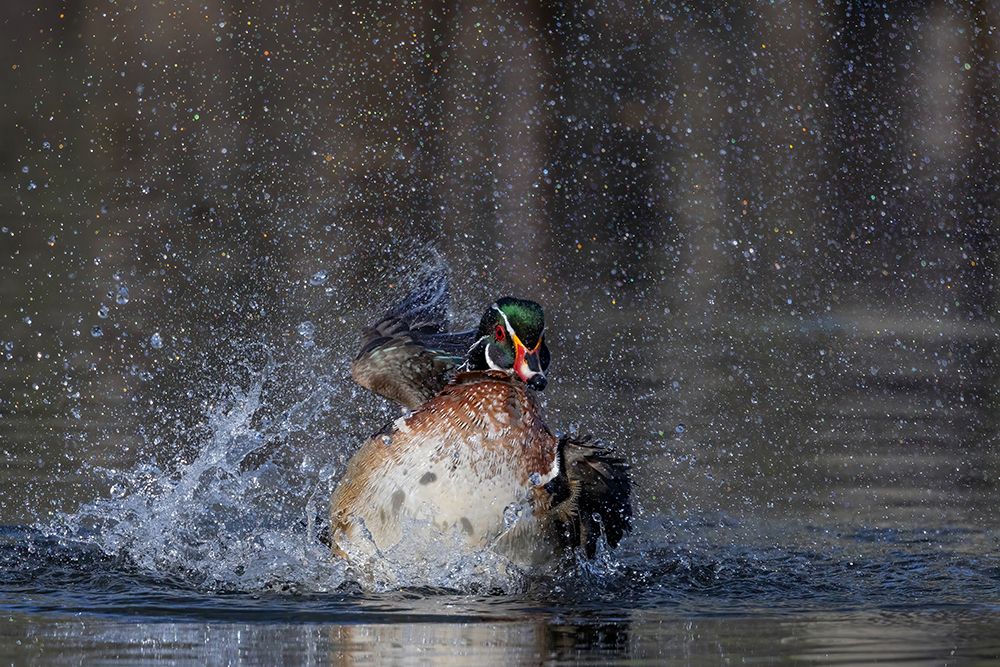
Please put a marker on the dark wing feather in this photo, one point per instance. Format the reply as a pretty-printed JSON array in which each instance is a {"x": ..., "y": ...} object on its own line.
[
  {"x": 592, "y": 493},
  {"x": 408, "y": 354}
]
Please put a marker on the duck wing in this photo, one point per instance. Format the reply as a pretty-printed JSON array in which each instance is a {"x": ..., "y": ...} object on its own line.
[
  {"x": 591, "y": 495},
  {"x": 408, "y": 355}
]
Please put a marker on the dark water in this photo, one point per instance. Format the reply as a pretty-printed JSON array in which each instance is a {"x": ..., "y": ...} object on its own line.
[
  {"x": 829, "y": 519},
  {"x": 870, "y": 595},
  {"x": 765, "y": 235},
  {"x": 853, "y": 553}
]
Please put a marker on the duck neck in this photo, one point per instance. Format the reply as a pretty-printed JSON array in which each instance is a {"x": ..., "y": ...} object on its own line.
[{"x": 475, "y": 360}]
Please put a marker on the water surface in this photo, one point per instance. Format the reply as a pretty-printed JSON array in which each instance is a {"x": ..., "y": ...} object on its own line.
[{"x": 764, "y": 235}]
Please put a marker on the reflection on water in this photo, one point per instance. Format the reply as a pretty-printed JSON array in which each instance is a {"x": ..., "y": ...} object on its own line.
[
  {"x": 862, "y": 597},
  {"x": 642, "y": 638}
]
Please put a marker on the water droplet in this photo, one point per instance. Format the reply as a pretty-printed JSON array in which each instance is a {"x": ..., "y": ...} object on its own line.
[
  {"x": 510, "y": 515},
  {"x": 679, "y": 428},
  {"x": 103, "y": 311},
  {"x": 155, "y": 341},
  {"x": 306, "y": 329},
  {"x": 27, "y": 320},
  {"x": 534, "y": 479},
  {"x": 122, "y": 297},
  {"x": 318, "y": 278},
  {"x": 96, "y": 331}
]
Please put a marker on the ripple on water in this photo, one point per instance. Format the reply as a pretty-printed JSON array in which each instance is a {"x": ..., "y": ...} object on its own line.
[{"x": 46, "y": 573}]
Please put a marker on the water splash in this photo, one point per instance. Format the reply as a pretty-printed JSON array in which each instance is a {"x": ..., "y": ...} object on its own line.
[
  {"x": 444, "y": 562},
  {"x": 247, "y": 512},
  {"x": 240, "y": 515},
  {"x": 243, "y": 508}
]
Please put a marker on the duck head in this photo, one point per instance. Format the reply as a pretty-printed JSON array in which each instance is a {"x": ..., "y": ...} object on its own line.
[{"x": 511, "y": 337}]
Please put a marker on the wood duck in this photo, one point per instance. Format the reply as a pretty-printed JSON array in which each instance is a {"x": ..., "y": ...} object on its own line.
[{"x": 472, "y": 462}]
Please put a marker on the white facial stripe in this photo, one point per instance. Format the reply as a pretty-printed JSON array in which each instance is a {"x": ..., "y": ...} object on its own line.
[
  {"x": 524, "y": 370},
  {"x": 481, "y": 339},
  {"x": 489, "y": 362},
  {"x": 465, "y": 365},
  {"x": 510, "y": 329},
  {"x": 506, "y": 322}
]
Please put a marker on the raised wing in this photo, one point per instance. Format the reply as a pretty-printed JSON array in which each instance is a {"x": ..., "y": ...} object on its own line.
[
  {"x": 591, "y": 495},
  {"x": 407, "y": 355}
]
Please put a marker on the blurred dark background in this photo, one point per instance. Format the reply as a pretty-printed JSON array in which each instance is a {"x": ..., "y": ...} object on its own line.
[{"x": 765, "y": 234}]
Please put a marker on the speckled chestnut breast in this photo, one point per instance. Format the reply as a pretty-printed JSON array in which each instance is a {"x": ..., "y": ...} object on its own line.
[{"x": 477, "y": 450}]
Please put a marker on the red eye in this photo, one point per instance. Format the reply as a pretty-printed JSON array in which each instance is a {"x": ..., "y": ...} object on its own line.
[{"x": 498, "y": 333}]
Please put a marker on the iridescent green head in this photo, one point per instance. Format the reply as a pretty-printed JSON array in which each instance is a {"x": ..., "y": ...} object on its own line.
[{"x": 511, "y": 337}]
